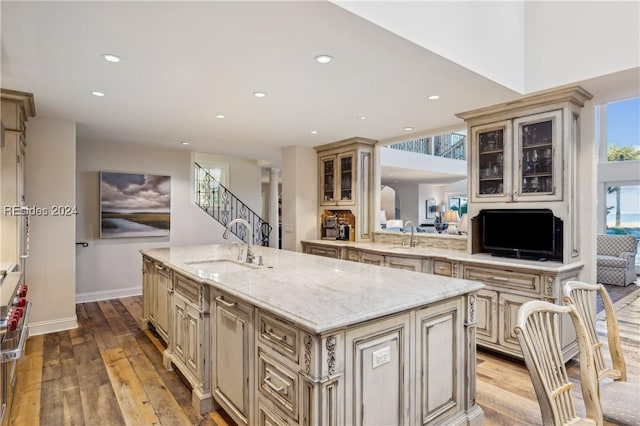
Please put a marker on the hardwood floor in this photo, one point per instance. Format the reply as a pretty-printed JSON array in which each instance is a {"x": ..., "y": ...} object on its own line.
[{"x": 108, "y": 372}]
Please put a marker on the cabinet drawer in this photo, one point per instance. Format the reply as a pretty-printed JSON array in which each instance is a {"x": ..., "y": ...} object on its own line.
[
  {"x": 353, "y": 255},
  {"x": 508, "y": 279},
  {"x": 268, "y": 417},
  {"x": 187, "y": 288},
  {"x": 399, "y": 262},
  {"x": 372, "y": 258},
  {"x": 442, "y": 267},
  {"x": 325, "y": 251},
  {"x": 279, "y": 335},
  {"x": 278, "y": 384}
]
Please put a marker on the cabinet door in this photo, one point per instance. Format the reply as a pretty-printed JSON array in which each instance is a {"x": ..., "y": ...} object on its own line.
[
  {"x": 232, "y": 340},
  {"x": 372, "y": 258},
  {"x": 487, "y": 316},
  {"x": 377, "y": 369},
  {"x": 399, "y": 262},
  {"x": 490, "y": 166},
  {"x": 346, "y": 178},
  {"x": 439, "y": 361},
  {"x": 328, "y": 178},
  {"x": 539, "y": 157},
  {"x": 147, "y": 287},
  {"x": 508, "y": 314},
  {"x": 163, "y": 301},
  {"x": 178, "y": 327},
  {"x": 193, "y": 331}
]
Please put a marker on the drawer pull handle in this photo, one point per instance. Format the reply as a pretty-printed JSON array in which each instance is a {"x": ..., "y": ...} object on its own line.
[
  {"x": 272, "y": 386},
  {"x": 220, "y": 299},
  {"x": 159, "y": 267},
  {"x": 273, "y": 335},
  {"x": 501, "y": 279}
]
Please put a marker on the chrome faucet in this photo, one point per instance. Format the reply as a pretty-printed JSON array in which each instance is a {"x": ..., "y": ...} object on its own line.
[
  {"x": 412, "y": 243},
  {"x": 250, "y": 252}
]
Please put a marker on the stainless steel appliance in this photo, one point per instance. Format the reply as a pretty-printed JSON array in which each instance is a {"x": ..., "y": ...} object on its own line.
[
  {"x": 330, "y": 228},
  {"x": 14, "y": 317},
  {"x": 343, "y": 232}
]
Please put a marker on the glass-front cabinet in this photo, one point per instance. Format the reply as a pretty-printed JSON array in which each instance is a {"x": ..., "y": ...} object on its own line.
[
  {"x": 338, "y": 179},
  {"x": 539, "y": 157},
  {"x": 518, "y": 160},
  {"x": 490, "y": 162}
]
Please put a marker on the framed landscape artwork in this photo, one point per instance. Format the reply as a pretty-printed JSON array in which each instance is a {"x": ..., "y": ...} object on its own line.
[
  {"x": 134, "y": 205},
  {"x": 431, "y": 208}
]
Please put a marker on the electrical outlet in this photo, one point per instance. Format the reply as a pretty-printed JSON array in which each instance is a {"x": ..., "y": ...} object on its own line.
[
  {"x": 381, "y": 356},
  {"x": 288, "y": 228}
]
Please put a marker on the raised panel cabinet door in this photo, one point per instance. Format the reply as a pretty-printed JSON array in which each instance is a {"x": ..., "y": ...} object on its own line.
[
  {"x": 328, "y": 179},
  {"x": 178, "y": 327},
  {"x": 491, "y": 167},
  {"x": 193, "y": 333},
  {"x": 508, "y": 315},
  {"x": 232, "y": 354},
  {"x": 440, "y": 361},
  {"x": 163, "y": 301},
  {"x": 377, "y": 368},
  {"x": 346, "y": 178},
  {"x": 487, "y": 316}
]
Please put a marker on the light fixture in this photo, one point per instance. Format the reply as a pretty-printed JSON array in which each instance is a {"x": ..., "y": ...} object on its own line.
[
  {"x": 433, "y": 97},
  {"x": 362, "y": 117},
  {"x": 451, "y": 217},
  {"x": 408, "y": 128},
  {"x": 463, "y": 227},
  {"x": 314, "y": 132},
  {"x": 98, "y": 94},
  {"x": 323, "y": 59},
  {"x": 184, "y": 143},
  {"x": 221, "y": 116},
  {"x": 111, "y": 58},
  {"x": 259, "y": 94}
]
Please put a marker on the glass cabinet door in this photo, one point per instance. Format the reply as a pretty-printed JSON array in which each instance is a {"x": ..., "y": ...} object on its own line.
[
  {"x": 328, "y": 168},
  {"x": 346, "y": 178},
  {"x": 540, "y": 160},
  {"x": 491, "y": 162}
]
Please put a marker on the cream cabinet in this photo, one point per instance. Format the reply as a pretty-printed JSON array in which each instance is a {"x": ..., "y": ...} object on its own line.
[
  {"x": 232, "y": 346},
  {"x": 345, "y": 183},
  {"x": 157, "y": 297}
]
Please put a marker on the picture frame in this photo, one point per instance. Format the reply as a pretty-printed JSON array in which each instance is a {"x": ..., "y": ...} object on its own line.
[
  {"x": 431, "y": 208},
  {"x": 134, "y": 205}
]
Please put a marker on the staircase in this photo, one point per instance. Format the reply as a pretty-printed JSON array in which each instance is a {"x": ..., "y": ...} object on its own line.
[{"x": 222, "y": 205}]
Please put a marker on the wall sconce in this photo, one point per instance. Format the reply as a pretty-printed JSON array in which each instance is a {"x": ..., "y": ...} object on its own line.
[{"x": 451, "y": 217}]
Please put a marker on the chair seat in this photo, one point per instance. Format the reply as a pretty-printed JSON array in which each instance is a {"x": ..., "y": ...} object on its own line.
[
  {"x": 614, "y": 261},
  {"x": 621, "y": 402}
]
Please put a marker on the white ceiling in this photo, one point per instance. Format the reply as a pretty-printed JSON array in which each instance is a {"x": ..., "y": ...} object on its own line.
[{"x": 185, "y": 62}]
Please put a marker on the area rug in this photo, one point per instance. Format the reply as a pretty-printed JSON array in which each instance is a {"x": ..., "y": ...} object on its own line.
[{"x": 616, "y": 293}]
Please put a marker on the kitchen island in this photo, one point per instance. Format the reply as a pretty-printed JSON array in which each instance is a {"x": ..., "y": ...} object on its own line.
[{"x": 314, "y": 341}]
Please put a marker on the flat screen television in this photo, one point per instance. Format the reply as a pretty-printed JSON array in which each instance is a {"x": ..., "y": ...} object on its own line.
[{"x": 523, "y": 233}]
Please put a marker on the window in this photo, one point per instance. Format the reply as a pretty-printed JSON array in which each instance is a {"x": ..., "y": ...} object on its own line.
[
  {"x": 622, "y": 127},
  {"x": 623, "y": 211},
  {"x": 220, "y": 172}
]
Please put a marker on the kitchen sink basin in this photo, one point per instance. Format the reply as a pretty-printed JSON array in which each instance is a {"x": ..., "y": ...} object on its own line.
[{"x": 208, "y": 267}]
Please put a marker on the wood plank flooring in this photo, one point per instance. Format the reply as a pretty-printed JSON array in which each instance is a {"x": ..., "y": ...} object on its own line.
[{"x": 109, "y": 372}]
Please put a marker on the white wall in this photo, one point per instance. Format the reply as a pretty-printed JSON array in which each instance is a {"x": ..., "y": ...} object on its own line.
[
  {"x": 407, "y": 194},
  {"x": 440, "y": 193},
  {"x": 51, "y": 181},
  {"x": 299, "y": 196},
  {"x": 568, "y": 41},
  {"x": 111, "y": 267}
]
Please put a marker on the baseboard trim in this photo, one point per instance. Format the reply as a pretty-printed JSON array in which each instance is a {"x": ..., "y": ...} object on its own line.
[
  {"x": 95, "y": 296},
  {"x": 53, "y": 326}
]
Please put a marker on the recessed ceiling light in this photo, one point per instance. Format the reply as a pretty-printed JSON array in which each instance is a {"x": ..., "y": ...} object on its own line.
[
  {"x": 184, "y": 143},
  {"x": 362, "y": 117},
  {"x": 111, "y": 58},
  {"x": 433, "y": 97},
  {"x": 220, "y": 116},
  {"x": 408, "y": 128},
  {"x": 259, "y": 94},
  {"x": 323, "y": 59},
  {"x": 96, "y": 93},
  {"x": 314, "y": 132}
]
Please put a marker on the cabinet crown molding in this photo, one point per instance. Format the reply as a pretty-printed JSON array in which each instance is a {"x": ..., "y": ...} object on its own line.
[
  {"x": 345, "y": 142},
  {"x": 572, "y": 94},
  {"x": 23, "y": 98}
]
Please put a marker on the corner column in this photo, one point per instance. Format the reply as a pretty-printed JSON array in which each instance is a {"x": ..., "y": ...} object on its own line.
[{"x": 274, "y": 237}]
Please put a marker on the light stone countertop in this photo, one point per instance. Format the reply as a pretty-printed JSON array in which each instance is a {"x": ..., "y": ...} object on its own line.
[
  {"x": 317, "y": 293},
  {"x": 455, "y": 255}
]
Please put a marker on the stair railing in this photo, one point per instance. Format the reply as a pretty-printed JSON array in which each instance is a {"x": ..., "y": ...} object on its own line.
[{"x": 224, "y": 206}]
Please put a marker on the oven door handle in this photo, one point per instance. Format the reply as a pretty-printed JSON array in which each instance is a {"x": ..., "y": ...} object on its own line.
[{"x": 16, "y": 353}]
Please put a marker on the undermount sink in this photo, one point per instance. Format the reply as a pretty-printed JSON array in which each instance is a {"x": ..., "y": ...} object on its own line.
[{"x": 221, "y": 266}]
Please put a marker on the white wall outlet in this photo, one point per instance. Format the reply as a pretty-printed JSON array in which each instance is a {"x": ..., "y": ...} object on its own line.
[
  {"x": 288, "y": 228},
  {"x": 381, "y": 356}
]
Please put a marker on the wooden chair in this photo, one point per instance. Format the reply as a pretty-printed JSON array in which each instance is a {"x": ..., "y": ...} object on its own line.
[
  {"x": 537, "y": 330},
  {"x": 620, "y": 399}
]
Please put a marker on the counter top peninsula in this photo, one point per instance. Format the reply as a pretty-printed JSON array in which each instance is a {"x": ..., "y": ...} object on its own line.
[{"x": 318, "y": 294}]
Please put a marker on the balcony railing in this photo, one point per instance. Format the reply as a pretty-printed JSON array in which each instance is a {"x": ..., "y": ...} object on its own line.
[{"x": 449, "y": 145}]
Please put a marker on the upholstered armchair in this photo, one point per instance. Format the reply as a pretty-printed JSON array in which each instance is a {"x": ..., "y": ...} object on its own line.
[{"x": 616, "y": 259}]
